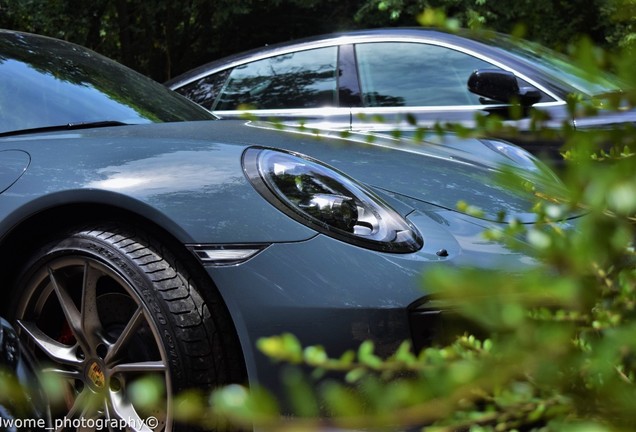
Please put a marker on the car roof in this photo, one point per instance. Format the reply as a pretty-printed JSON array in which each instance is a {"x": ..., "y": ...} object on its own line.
[
  {"x": 324, "y": 40},
  {"x": 479, "y": 43}
]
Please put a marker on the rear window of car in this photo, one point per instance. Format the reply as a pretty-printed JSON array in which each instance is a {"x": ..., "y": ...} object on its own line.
[
  {"x": 304, "y": 79},
  {"x": 205, "y": 91}
]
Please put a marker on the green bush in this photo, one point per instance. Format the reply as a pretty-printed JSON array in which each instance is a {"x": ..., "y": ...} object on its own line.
[{"x": 560, "y": 346}]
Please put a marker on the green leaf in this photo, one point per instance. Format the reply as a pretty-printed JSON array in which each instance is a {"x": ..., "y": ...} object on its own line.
[{"x": 367, "y": 357}]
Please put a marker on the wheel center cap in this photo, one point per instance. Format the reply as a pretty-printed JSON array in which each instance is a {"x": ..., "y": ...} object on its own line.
[{"x": 95, "y": 375}]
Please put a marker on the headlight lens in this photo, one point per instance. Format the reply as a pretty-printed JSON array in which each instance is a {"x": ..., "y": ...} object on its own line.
[
  {"x": 516, "y": 154},
  {"x": 328, "y": 201},
  {"x": 522, "y": 160}
]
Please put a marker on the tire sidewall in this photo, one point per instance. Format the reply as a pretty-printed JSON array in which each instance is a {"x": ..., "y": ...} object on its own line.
[{"x": 83, "y": 245}]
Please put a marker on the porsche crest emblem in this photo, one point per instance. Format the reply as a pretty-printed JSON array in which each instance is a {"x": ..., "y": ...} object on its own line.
[{"x": 96, "y": 375}]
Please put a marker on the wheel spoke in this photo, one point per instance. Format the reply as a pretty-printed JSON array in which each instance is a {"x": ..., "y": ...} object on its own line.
[
  {"x": 91, "y": 325},
  {"x": 108, "y": 414},
  {"x": 73, "y": 316},
  {"x": 146, "y": 366},
  {"x": 124, "y": 410},
  {"x": 80, "y": 403},
  {"x": 55, "y": 350},
  {"x": 91, "y": 405},
  {"x": 62, "y": 373},
  {"x": 126, "y": 335},
  {"x": 84, "y": 407}
]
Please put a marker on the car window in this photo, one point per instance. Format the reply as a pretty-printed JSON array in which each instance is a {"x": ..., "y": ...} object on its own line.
[
  {"x": 305, "y": 79},
  {"x": 204, "y": 91},
  {"x": 415, "y": 74}
]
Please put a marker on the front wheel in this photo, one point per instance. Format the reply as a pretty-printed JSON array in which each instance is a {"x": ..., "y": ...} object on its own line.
[{"x": 104, "y": 309}]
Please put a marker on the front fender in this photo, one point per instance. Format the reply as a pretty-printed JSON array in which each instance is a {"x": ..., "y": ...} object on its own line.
[{"x": 197, "y": 191}]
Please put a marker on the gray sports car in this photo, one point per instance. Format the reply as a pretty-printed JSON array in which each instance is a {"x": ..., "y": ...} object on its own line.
[
  {"x": 140, "y": 236},
  {"x": 347, "y": 80}
]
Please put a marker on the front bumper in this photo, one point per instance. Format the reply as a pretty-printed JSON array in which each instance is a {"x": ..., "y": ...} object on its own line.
[{"x": 330, "y": 293}]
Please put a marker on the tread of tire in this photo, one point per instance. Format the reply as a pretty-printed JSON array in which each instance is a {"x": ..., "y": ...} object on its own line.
[{"x": 194, "y": 325}]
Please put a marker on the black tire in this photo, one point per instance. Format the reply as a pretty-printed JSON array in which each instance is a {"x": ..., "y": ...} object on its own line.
[{"x": 103, "y": 308}]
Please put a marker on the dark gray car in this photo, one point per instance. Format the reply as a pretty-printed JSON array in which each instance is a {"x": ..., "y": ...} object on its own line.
[
  {"x": 349, "y": 80},
  {"x": 139, "y": 235}
]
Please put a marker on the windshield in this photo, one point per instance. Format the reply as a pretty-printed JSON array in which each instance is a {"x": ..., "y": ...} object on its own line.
[
  {"x": 558, "y": 66},
  {"x": 45, "y": 82}
]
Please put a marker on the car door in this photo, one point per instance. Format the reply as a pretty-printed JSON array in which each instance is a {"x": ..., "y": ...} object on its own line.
[
  {"x": 404, "y": 80},
  {"x": 423, "y": 79}
]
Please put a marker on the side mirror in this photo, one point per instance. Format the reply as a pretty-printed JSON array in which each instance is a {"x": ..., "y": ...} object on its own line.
[{"x": 501, "y": 86}]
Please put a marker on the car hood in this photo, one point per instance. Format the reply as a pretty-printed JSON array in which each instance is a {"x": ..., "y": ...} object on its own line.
[
  {"x": 446, "y": 172},
  {"x": 443, "y": 172}
]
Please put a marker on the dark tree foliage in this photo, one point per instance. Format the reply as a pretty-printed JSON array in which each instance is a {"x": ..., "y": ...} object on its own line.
[
  {"x": 551, "y": 22},
  {"x": 162, "y": 38}
]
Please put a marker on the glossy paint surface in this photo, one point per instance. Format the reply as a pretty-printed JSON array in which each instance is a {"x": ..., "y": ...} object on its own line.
[
  {"x": 188, "y": 178},
  {"x": 338, "y": 295},
  {"x": 181, "y": 171},
  {"x": 13, "y": 163},
  {"x": 185, "y": 180}
]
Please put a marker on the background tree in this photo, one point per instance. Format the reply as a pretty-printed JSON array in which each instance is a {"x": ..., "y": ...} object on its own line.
[
  {"x": 560, "y": 353},
  {"x": 557, "y": 352},
  {"x": 553, "y": 23},
  {"x": 162, "y": 38}
]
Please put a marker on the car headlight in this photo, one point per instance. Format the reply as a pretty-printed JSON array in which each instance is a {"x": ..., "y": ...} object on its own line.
[
  {"x": 519, "y": 156},
  {"x": 328, "y": 201},
  {"x": 523, "y": 161}
]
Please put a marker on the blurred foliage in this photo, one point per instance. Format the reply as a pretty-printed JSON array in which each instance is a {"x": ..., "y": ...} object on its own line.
[
  {"x": 557, "y": 351},
  {"x": 163, "y": 38}
]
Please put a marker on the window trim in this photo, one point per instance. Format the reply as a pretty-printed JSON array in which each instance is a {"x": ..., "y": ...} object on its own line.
[
  {"x": 359, "y": 39},
  {"x": 348, "y": 77},
  {"x": 556, "y": 102}
]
